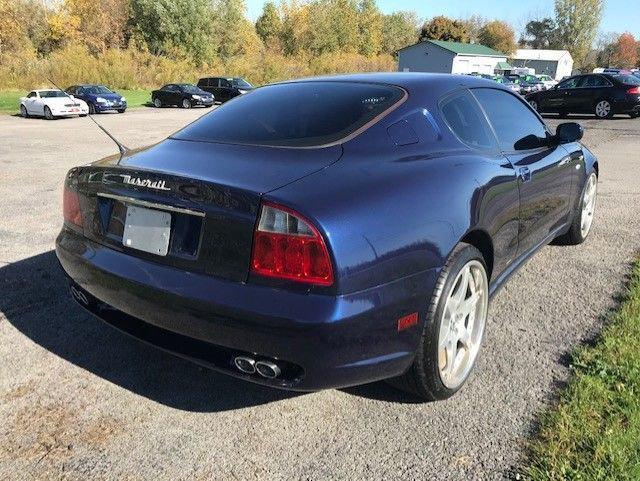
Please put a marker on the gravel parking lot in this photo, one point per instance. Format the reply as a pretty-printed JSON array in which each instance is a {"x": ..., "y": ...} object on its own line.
[{"x": 79, "y": 400}]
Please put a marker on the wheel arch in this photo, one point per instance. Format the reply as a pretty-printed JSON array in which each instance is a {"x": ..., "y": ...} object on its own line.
[{"x": 481, "y": 240}]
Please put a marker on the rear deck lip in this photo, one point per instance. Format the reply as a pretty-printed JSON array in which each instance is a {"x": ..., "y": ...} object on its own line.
[{"x": 152, "y": 205}]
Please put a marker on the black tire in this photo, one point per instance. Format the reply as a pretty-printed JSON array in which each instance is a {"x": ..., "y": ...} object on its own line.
[
  {"x": 575, "y": 235},
  {"x": 563, "y": 114},
  {"x": 157, "y": 102},
  {"x": 92, "y": 109},
  {"x": 208, "y": 106},
  {"x": 47, "y": 113},
  {"x": 634, "y": 115},
  {"x": 121, "y": 111},
  {"x": 23, "y": 112},
  {"x": 423, "y": 377},
  {"x": 597, "y": 108},
  {"x": 82, "y": 115},
  {"x": 186, "y": 104}
]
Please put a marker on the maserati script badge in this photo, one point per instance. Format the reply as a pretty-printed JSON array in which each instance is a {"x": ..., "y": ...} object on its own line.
[{"x": 152, "y": 184}]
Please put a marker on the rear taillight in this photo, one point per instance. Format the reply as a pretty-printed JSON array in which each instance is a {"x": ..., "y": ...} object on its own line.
[
  {"x": 71, "y": 207},
  {"x": 287, "y": 246},
  {"x": 634, "y": 90}
]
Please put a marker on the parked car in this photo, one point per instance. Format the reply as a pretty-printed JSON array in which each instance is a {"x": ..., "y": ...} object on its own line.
[
  {"x": 182, "y": 95},
  {"x": 524, "y": 86},
  {"x": 328, "y": 232},
  {"x": 548, "y": 81},
  {"x": 51, "y": 103},
  {"x": 507, "y": 83},
  {"x": 99, "y": 98},
  {"x": 225, "y": 88},
  {"x": 535, "y": 82},
  {"x": 601, "y": 94}
]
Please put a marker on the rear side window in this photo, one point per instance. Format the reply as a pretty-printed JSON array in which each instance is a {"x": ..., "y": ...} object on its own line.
[
  {"x": 513, "y": 122},
  {"x": 594, "y": 81},
  {"x": 464, "y": 117},
  {"x": 203, "y": 82},
  {"x": 299, "y": 114}
]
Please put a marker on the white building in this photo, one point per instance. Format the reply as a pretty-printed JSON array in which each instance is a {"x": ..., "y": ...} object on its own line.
[
  {"x": 450, "y": 57},
  {"x": 555, "y": 63}
]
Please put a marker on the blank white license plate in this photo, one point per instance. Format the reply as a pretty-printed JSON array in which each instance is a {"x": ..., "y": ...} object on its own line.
[{"x": 147, "y": 230}]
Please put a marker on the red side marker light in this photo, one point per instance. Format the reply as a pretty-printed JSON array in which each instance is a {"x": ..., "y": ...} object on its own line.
[{"x": 407, "y": 321}]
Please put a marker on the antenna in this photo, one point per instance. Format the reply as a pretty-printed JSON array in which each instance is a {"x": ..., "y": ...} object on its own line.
[{"x": 123, "y": 150}]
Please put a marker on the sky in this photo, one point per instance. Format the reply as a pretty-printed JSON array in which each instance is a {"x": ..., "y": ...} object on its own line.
[{"x": 619, "y": 15}]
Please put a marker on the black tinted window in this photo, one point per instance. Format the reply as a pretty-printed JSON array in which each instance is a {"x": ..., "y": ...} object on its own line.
[
  {"x": 465, "y": 118},
  {"x": 569, "y": 83},
  {"x": 515, "y": 124},
  {"x": 294, "y": 115},
  {"x": 594, "y": 81}
]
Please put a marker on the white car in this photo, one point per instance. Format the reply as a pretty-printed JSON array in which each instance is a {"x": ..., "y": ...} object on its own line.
[
  {"x": 51, "y": 104},
  {"x": 547, "y": 81}
]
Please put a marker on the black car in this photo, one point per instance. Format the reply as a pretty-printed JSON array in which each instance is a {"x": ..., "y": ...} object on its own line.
[
  {"x": 601, "y": 94},
  {"x": 225, "y": 88},
  {"x": 182, "y": 95}
]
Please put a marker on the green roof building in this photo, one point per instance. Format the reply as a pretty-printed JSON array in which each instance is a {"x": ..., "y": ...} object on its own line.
[{"x": 449, "y": 57}]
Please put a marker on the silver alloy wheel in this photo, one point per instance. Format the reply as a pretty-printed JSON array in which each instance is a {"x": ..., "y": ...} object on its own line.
[
  {"x": 186, "y": 104},
  {"x": 588, "y": 205},
  {"x": 157, "y": 102},
  {"x": 462, "y": 326},
  {"x": 47, "y": 113},
  {"x": 534, "y": 104},
  {"x": 603, "y": 108}
]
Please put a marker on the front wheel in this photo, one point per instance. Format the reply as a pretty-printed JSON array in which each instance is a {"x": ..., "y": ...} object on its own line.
[
  {"x": 47, "y": 113},
  {"x": 121, "y": 111},
  {"x": 157, "y": 102},
  {"x": 583, "y": 217},
  {"x": 634, "y": 115},
  {"x": 453, "y": 328},
  {"x": 534, "y": 105},
  {"x": 186, "y": 103},
  {"x": 23, "y": 112},
  {"x": 603, "y": 109},
  {"x": 92, "y": 109}
]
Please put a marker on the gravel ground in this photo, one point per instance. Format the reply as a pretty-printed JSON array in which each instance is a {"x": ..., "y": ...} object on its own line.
[{"x": 78, "y": 400}]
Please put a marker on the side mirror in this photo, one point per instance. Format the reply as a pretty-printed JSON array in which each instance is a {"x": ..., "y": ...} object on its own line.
[{"x": 569, "y": 132}]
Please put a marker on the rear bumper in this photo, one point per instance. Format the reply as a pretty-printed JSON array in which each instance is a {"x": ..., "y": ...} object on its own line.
[
  {"x": 327, "y": 341},
  {"x": 630, "y": 104}
]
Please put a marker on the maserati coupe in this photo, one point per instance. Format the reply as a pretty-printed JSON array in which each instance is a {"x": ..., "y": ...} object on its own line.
[{"x": 328, "y": 232}]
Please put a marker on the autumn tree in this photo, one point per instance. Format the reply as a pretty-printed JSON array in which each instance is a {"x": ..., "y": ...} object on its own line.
[
  {"x": 499, "y": 36},
  {"x": 370, "y": 24},
  {"x": 399, "y": 29},
  {"x": 473, "y": 25},
  {"x": 443, "y": 28},
  {"x": 577, "y": 24},
  {"x": 269, "y": 25},
  {"x": 295, "y": 35},
  {"x": 539, "y": 34},
  {"x": 232, "y": 32},
  {"x": 101, "y": 24},
  {"x": 333, "y": 26},
  {"x": 625, "y": 51}
]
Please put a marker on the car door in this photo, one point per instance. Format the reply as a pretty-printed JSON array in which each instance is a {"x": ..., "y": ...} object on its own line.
[
  {"x": 226, "y": 89},
  {"x": 31, "y": 103},
  {"x": 590, "y": 89},
  {"x": 544, "y": 169},
  {"x": 560, "y": 98},
  {"x": 206, "y": 84}
]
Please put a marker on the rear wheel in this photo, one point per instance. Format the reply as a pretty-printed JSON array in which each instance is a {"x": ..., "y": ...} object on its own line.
[
  {"x": 121, "y": 111},
  {"x": 634, "y": 115},
  {"x": 157, "y": 102},
  {"x": 47, "y": 113},
  {"x": 534, "y": 105},
  {"x": 23, "y": 112},
  {"x": 186, "y": 103},
  {"x": 603, "y": 109},
  {"x": 453, "y": 329},
  {"x": 583, "y": 217}
]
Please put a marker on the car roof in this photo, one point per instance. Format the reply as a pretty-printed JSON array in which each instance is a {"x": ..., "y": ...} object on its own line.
[
  {"x": 46, "y": 90},
  {"x": 436, "y": 83}
]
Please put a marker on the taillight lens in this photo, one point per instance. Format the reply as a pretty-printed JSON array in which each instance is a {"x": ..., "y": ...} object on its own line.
[
  {"x": 287, "y": 246},
  {"x": 634, "y": 90},
  {"x": 71, "y": 207}
]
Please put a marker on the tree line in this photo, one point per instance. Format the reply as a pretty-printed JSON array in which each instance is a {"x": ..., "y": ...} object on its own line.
[{"x": 134, "y": 43}]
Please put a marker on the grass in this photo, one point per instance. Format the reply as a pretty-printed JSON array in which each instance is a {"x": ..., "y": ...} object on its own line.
[
  {"x": 594, "y": 431},
  {"x": 9, "y": 99}
]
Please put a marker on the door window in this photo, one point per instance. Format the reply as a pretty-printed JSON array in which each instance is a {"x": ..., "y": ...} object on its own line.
[
  {"x": 31, "y": 95},
  {"x": 593, "y": 81},
  {"x": 225, "y": 83},
  {"x": 515, "y": 125},
  {"x": 464, "y": 117},
  {"x": 570, "y": 83}
]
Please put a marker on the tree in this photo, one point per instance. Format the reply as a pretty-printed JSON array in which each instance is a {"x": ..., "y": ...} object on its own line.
[
  {"x": 539, "y": 34},
  {"x": 102, "y": 24},
  {"x": 173, "y": 26},
  {"x": 370, "y": 25},
  {"x": 443, "y": 28},
  {"x": 399, "y": 29},
  {"x": 295, "y": 35},
  {"x": 269, "y": 25},
  {"x": 577, "y": 23},
  {"x": 232, "y": 32},
  {"x": 333, "y": 26},
  {"x": 499, "y": 36},
  {"x": 625, "y": 51},
  {"x": 473, "y": 25}
]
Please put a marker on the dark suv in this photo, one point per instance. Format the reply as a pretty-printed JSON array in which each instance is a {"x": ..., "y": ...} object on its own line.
[{"x": 225, "y": 88}]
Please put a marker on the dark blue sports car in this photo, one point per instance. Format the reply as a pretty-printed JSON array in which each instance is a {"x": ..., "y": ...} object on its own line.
[
  {"x": 99, "y": 98},
  {"x": 328, "y": 232}
]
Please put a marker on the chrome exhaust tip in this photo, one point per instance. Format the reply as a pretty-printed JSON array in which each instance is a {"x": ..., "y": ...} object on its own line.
[
  {"x": 267, "y": 369},
  {"x": 245, "y": 364}
]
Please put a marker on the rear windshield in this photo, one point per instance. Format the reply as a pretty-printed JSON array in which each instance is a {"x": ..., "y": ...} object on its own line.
[
  {"x": 304, "y": 114},
  {"x": 628, "y": 79}
]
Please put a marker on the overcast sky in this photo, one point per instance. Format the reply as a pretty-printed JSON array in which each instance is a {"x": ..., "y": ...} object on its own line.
[{"x": 619, "y": 15}]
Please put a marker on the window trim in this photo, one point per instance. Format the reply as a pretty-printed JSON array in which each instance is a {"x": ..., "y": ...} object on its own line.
[
  {"x": 453, "y": 93},
  {"x": 527, "y": 106}
]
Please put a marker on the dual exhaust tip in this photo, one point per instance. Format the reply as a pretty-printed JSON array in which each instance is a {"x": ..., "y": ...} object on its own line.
[{"x": 249, "y": 365}]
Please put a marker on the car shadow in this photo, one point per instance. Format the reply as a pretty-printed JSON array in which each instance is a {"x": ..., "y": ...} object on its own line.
[{"x": 35, "y": 300}]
